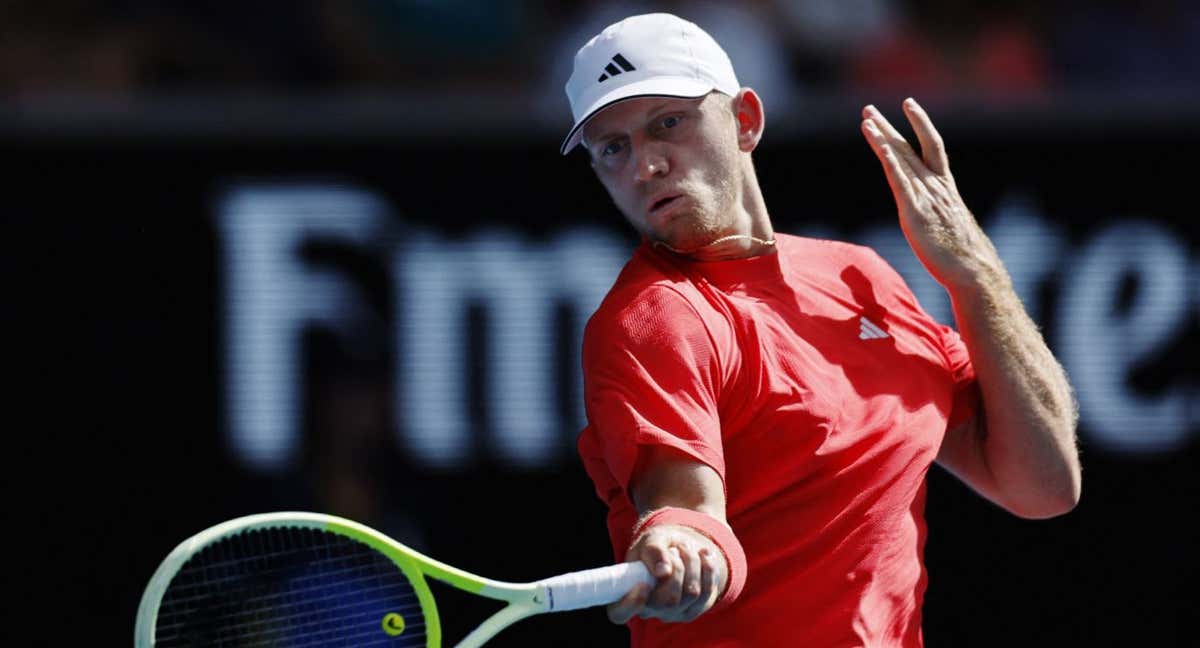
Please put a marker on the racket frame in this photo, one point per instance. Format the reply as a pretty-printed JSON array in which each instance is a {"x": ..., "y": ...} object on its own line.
[{"x": 524, "y": 599}]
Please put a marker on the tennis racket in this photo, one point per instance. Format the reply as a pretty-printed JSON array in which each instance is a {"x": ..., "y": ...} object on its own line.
[{"x": 307, "y": 579}]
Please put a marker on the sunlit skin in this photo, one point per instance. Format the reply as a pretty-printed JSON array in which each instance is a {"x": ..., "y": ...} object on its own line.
[
  {"x": 1017, "y": 450},
  {"x": 680, "y": 171}
]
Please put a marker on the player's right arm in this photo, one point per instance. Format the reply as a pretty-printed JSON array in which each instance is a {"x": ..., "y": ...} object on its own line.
[
  {"x": 692, "y": 571},
  {"x": 652, "y": 373}
]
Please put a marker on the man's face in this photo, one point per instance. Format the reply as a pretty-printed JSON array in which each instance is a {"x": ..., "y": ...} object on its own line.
[{"x": 670, "y": 165}]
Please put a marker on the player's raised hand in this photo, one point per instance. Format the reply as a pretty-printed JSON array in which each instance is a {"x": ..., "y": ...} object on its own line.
[
  {"x": 935, "y": 220},
  {"x": 690, "y": 570}
]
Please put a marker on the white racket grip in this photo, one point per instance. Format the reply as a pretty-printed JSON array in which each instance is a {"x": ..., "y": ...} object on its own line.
[{"x": 592, "y": 587}]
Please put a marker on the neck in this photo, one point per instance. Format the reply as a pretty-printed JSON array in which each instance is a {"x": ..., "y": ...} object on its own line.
[
  {"x": 752, "y": 234},
  {"x": 733, "y": 246}
]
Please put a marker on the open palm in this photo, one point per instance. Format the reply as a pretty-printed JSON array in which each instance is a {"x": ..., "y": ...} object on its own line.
[{"x": 941, "y": 230}]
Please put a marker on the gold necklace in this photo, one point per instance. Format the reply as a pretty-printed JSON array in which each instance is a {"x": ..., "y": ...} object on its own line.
[{"x": 731, "y": 237}]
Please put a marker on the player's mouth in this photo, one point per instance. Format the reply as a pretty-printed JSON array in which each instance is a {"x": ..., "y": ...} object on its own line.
[{"x": 659, "y": 205}]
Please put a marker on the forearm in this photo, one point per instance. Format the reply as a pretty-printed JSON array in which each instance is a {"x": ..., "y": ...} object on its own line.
[
  {"x": 1021, "y": 453},
  {"x": 683, "y": 538},
  {"x": 1027, "y": 439}
]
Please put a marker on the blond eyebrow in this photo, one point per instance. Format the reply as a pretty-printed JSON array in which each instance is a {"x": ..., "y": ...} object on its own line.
[
  {"x": 660, "y": 109},
  {"x": 650, "y": 114}
]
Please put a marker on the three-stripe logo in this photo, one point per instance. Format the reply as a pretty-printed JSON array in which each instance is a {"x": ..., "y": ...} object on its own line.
[
  {"x": 612, "y": 70},
  {"x": 868, "y": 330}
]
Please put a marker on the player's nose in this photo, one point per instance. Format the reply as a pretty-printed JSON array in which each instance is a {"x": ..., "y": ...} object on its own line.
[{"x": 650, "y": 162}]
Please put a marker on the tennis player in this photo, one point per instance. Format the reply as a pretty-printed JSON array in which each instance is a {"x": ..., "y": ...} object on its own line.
[{"x": 763, "y": 408}]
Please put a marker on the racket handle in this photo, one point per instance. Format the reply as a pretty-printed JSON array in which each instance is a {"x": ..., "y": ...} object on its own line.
[{"x": 592, "y": 587}]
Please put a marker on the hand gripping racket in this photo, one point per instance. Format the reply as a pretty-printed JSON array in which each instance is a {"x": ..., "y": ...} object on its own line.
[{"x": 307, "y": 579}]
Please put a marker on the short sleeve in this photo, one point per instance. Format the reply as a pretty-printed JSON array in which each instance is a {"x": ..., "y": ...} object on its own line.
[
  {"x": 650, "y": 378},
  {"x": 956, "y": 358},
  {"x": 962, "y": 372}
]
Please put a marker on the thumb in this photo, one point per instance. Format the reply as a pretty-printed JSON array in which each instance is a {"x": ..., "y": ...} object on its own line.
[{"x": 629, "y": 605}]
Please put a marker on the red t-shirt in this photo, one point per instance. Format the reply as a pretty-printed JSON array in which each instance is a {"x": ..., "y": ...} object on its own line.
[{"x": 819, "y": 391}]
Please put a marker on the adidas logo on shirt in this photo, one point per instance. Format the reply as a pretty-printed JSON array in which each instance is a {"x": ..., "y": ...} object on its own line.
[
  {"x": 868, "y": 330},
  {"x": 611, "y": 70}
]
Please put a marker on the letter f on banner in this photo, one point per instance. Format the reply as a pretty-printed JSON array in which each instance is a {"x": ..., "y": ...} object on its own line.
[{"x": 272, "y": 295}]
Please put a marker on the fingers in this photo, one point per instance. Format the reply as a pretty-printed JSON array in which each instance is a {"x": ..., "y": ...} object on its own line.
[
  {"x": 898, "y": 174},
  {"x": 685, "y": 581},
  {"x": 707, "y": 580},
  {"x": 692, "y": 576},
  {"x": 657, "y": 559},
  {"x": 669, "y": 592},
  {"x": 933, "y": 149},
  {"x": 895, "y": 140},
  {"x": 629, "y": 605}
]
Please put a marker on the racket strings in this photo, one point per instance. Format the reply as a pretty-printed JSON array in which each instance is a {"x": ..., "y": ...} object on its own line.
[
  {"x": 288, "y": 587},
  {"x": 311, "y": 624}
]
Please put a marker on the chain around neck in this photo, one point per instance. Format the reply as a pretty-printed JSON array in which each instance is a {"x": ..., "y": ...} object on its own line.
[{"x": 731, "y": 237}]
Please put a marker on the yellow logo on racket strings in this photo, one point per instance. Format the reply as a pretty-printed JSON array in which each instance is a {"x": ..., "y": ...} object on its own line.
[{"x": 393, "y": 624}]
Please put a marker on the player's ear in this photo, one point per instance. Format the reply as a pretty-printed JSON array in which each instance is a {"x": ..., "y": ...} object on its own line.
[{"x": 748, "y": 113}]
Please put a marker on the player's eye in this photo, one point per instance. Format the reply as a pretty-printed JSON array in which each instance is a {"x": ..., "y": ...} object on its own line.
[
  {"x": 610, "y": 149},
  {"x": 671, "y": 121}
]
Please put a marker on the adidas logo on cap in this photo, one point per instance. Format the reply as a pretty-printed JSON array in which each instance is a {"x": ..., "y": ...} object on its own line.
[{"x": 611, "y": 70}]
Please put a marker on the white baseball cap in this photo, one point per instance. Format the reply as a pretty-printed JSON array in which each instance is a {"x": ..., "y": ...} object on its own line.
[{"x": 652, "y": 55}]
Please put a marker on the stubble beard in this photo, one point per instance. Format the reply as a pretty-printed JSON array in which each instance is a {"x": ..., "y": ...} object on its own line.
[{"x": 709, "y": 217}]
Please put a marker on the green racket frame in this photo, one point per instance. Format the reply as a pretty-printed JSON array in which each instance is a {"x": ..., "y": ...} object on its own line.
[{"x": 573, "y": 591}]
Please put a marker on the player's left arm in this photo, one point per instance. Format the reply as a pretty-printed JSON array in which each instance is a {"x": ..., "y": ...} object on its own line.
[{"x": 1019, "y": 450}]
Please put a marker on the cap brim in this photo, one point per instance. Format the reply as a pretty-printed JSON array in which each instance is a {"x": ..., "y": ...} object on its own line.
[{"x": 657, "y": 87}]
